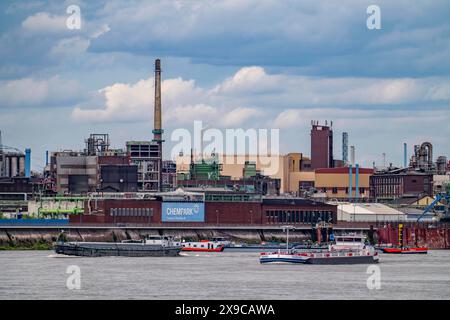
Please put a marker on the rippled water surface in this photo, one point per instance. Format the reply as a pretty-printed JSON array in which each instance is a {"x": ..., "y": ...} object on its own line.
[{"x": 42, "y": 274}]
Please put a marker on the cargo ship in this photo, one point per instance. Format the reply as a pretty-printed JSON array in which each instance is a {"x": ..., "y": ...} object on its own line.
[
  {"x": 348, "y": 249},
  {"x": 364, "y": 256},
  {"x": 149, "y": 247}
]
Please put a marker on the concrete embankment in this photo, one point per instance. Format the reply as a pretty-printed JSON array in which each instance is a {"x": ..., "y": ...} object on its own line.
[
  {"x": 434, "y": 237},
  {"x": 29, "y": 237}
]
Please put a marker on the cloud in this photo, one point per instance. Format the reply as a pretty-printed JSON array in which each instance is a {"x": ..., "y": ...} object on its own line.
[
  {"x": 69, "y": 47},
  {"x": 183, "y": 102},
  {"x": 321, "y": 38},
  {"x": 45, "y": 23},
  {"x": 23, "y": 6},
  {"x": 286, "y": 98},
  {"x": 30, "y": 92}
]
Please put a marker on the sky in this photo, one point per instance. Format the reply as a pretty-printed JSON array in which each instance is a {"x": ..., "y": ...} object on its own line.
[{"x": 273, "y": 64}]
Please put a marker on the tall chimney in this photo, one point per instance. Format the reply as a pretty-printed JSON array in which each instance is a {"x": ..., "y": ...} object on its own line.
[
  {"x": 405, "y": 155},
  {"x": 157, "y": 128},
  {"x": 352, "y": 155},
  {"x": 345, "y": 148}
]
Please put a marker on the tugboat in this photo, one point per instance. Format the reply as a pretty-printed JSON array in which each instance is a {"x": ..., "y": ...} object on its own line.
[
  {"x": 149, "y": 247},
  {"x": 349, "y": 249}
]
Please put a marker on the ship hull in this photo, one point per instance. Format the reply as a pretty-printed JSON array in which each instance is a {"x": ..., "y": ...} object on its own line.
[
  {"x": 282, "y": 260},
  {"x": 342, "y": 260},
  {"x": 202, "y": 249},
  {"x": 115, "y": 249},
  {"x": 405, "y": 250}
]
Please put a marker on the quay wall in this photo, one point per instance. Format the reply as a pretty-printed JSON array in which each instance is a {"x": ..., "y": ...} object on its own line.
[
  {"x": 432, "y": 236},
  {"x": 27, "y": 237}
]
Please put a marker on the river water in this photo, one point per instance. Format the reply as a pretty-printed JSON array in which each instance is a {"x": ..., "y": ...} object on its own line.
[{"x": 42, "y": 275}]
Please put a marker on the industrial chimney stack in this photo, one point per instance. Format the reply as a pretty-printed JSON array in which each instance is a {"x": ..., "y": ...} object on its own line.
[{"x": 157, "y": 127}]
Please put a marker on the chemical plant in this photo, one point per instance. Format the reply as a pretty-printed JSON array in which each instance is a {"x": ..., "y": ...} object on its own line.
[{"x": 134, "y": 186}]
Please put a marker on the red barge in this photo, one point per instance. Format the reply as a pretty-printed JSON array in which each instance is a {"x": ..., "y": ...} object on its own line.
[{"x": 413, "y": 250}]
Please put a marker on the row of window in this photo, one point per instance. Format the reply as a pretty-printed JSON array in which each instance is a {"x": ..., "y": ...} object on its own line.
[
  {"x": 131, "y": 212},
  {"x": 381, "y": 190},
  {"x": 334, "y": 190},
  {"x": 387, "y": 180},
  {"x": 283, "y": 216}
]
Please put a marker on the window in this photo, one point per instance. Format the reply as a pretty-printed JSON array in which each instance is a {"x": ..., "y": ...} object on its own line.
[{"x": 335, "y": 190}]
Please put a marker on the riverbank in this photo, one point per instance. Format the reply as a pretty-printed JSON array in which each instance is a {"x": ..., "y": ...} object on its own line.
[{"x": 34, "y": 246}]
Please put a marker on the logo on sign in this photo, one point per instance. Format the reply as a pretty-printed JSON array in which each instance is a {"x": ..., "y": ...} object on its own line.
[{"x": 173, "y": 211}]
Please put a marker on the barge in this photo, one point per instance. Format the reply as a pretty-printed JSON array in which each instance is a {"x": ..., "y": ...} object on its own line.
[
  {"x": 150, "y": 247},
  {"x": 405, "y": 250}
]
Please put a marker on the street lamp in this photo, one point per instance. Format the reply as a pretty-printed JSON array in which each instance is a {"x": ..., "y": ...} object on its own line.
[
  {"x": 217, "y": 216},
  {"x": 251, "y": 216}
]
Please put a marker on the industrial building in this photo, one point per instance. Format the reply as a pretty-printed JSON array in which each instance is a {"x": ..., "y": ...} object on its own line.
[
  {"x": 76, "y": 173},
  {"x": 348, "y": 183},
  {"x": 207, "y": 174},
  {"x": 288, "y": 169},
  {"x": 118, "y": 178},
  {"x": 423, "y": 177},
  {"x": 169, "y": 175},
  {"x": 321, "y": 145},
  {"x": 368, "y": 212},
  {"x": 211, "y": 207},
  {"x": 400, "y": 183},
  {"x": 14, "y": 162},
  {"x": 146, "y": 156},
  {"x": 97, "y": 168}
]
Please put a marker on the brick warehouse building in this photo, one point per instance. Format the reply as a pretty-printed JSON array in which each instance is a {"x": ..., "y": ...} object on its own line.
[
  {"x": 246, "y": 212},
  {"x": 400, "y": 183}
]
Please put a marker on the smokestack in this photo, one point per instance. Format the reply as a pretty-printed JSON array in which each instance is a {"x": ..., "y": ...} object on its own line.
[
  {"x": 352, "y": 155},
  {"x": 157, "y": 127},
  {"x": 405, "y": 155},
  {"x": 345, "y": 148},
  {"x": 357, "y": 181}
]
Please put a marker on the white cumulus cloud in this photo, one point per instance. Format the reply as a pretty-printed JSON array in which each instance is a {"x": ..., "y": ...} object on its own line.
[{"x": 31, "y": 92}]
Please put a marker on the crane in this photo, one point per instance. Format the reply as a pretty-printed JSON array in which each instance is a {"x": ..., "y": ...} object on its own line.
[{"x": 438, "y": 198}]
